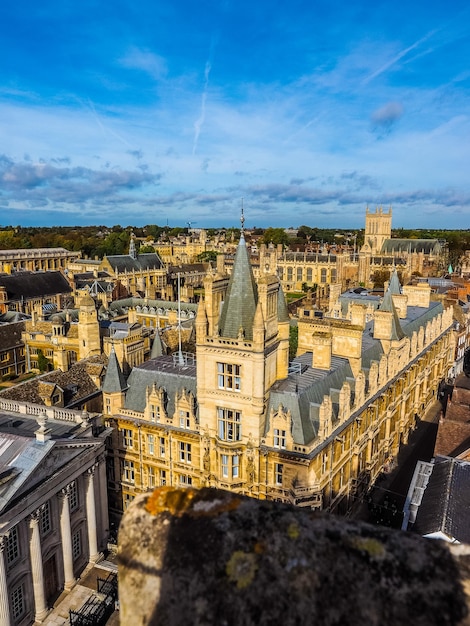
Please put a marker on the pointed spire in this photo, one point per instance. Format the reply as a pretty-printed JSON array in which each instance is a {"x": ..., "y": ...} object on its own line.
[
  {"x": 394, "y": 286},
  {"x": 157, "y": 348},
  {"x": 388, "y": 306},
  {"x": 114, "y": 380},
  {"x": 132, "y": 252},
  {"x": 282, "y": 310},
  {"x": 241, "y": 298}
]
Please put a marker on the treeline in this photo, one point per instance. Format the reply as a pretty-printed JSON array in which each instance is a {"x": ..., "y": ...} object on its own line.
[{"x": 103, "y": 240}]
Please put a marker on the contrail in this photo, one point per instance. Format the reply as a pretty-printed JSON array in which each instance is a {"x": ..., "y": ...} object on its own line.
[
  {"x": 200, "y": 121},
  {"x": 399, "y": 56}
]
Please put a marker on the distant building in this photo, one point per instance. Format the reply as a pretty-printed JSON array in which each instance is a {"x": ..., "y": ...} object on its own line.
[
  {"x": 12, "y": 352},
  {"x": 35, "y": 259},
  {"x": 25, "y": 291}
]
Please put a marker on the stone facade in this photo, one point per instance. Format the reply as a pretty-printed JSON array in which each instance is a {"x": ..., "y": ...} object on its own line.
[{"x": 316, "y": 432}]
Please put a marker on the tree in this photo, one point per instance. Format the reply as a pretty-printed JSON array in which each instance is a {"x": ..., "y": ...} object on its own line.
[
  {"x": 44, "y": 365},
  {"x": 293, "y": 341},
  {"x": 207, "y": 256},
  {"x": 146, "y": 249},
  {"x": 275, "y": 236}
]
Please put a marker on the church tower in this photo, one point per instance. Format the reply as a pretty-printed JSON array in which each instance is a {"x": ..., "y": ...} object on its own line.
[
  {"x": 378, "y": 228},
  {"x": 242, "y": 347}
]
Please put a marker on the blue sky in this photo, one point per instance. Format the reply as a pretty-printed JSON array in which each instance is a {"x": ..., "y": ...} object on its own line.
[{"x": 148, "y": 112}]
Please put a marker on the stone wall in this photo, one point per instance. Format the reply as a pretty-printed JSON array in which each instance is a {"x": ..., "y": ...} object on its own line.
[{"x": 213, "y": 557}]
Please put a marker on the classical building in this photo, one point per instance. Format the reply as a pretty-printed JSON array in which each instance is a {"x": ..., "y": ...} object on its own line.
[
  {"x": 35, "y": 259},
  {"x": 53, "y": 505},
  {"x": 316, "y": 432}
]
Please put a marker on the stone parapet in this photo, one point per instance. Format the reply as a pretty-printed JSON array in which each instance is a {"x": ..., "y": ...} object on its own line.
[{"x": 213, "y": 557}]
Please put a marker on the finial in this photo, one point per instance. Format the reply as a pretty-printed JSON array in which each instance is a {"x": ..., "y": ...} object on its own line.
[{"x": 242, "y": 221}]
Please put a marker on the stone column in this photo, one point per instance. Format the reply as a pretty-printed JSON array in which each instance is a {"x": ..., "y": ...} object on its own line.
[
  {"x": 36, "y": 567},
  {"x": 103, "y": 500},
  {"x": 66, "y": 535},
  {"x": 4, "y": 594},
  {"x": 91, "y": 516}
]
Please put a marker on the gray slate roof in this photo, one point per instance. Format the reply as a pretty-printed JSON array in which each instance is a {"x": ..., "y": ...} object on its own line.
[
  {"x": 34, "y": 284},
  {"x": 114, "y": 381},
  {"x": 241, "y": 299},
  {"x": 445, "y": 506},
  {"x": 126, "y": 263},
  {"x": 428, "y": 246},
  {"x": 164, "y": 373}
]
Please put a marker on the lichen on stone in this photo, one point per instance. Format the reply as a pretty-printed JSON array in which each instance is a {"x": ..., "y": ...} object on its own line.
[{"x": 241, "y": 568}]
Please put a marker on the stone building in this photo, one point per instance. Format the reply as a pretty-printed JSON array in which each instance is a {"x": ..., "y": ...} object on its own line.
[
  {"x": 35, "y": 259},
  {"x": 53, "y": 505},
  {"x": 62, "y": 339},
  {"x": 12, "y": 353},
  {"x": 25, "y": 291},
  {"x": 316, "y": 432}
]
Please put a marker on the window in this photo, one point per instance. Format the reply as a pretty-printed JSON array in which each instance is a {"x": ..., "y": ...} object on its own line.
[
  {"x": 163, "y": 477},
  {"x": 154, "y": 413},
  {"x": 184, "y": 419},
  {"x": 299, "y": 273},
  {"x": 280, "y": 272},
  {"x": 18, "y": 607},
  {"x": 324, "y": 463},
  {"x": 13, "y": 546},
  {"x": 309, "y": 275},
  {"x": 278, "y": 470},
  {"x": 185, "y": 452},
  {"x": 333, "y": 275},
  {"x": 228, "y": 376},
  {"x": 185, "y": 480},
  {"x": 76, "y": 545},
  {"x": 128, "y": 497},
  {"x": 152, "y": 481},
  {"x": 128, "y": 474},
  {"x": 127, "y": 437},
  {"x": 73, "y": 496},
  {"x": 225, "y": 465},
  {"x": 162, "y": 447},
  {"x": 45, "y": 521},
  {"x": 235, "y": 466},
  {"x": 323, "y": 276},
  {"x": 290, "y": 272},
  {"x": 229, "y": 424},
  {"x": 151, "y": 444},
  {"x": 279, "y": 438}
]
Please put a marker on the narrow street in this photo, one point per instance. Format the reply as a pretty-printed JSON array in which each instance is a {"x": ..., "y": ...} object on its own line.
[{"x": 387, "y": 497}]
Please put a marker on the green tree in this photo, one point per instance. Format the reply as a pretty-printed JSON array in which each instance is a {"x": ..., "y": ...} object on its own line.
[
  {"x": 207, "y": 256},
  {"x": 275, "y": 236},
  {"x": 44, "y": 365}
]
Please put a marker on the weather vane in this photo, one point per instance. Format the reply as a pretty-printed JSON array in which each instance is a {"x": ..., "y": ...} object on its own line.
[{"x": 242, "y": 221}]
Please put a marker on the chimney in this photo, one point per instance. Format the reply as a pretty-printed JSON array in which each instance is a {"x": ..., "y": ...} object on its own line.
[{"x": 321, "y": 350}]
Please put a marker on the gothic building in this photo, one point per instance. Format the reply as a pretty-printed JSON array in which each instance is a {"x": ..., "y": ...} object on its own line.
[{"x": 315, "y": 432}]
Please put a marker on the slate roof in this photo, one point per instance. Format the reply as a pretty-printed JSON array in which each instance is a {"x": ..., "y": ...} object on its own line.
[
  {"x": 165, "y": 372},
  {"x": 428, "y": 246},
  {"x": 34, "y": 284},
  {"x": 76, "y": 384},
  {"x": 10, "y": 335},
  {"x": 239, "y": 307},
  {"x": 387, "y": 305},
  {"x": 126, "y": 263},
  {"x": 26, "y": 463},
  {"x": 445, "y": 506},
  {"x": 114, "y": 379}
]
